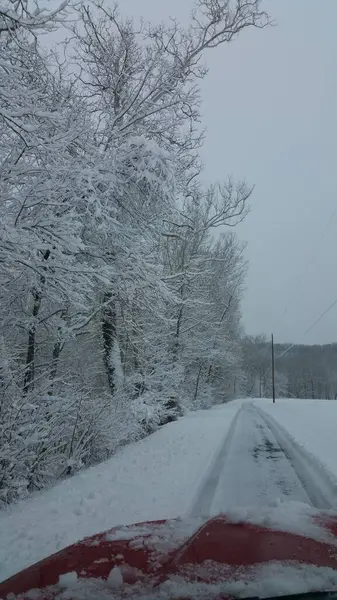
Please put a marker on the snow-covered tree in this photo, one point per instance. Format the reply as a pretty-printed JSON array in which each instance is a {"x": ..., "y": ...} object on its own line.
[
  {"x": 207, "y": 277},
  {"x": 117, "y": 305}
]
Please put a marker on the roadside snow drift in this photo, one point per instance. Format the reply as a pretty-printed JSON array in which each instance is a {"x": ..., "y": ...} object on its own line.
[
  {"x": 156, "y": 478},
  {"x": 311, "y": 426}
]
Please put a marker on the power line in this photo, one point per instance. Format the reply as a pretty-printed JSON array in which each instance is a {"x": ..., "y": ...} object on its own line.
[
  {"x": 321, "y": 316},
  {"x": 285, "y": 351}
]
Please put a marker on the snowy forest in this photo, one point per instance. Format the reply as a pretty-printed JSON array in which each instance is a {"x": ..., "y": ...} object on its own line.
[
  {"x": 120, "y": 273},
  {"x": 301, "y": 371}
]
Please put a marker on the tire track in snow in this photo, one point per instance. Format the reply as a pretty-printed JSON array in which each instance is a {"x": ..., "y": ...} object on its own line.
[
  {"x": 319, "y": 486},
  {"x": 259, "y": 462},
  {"x": 256, "y": 471},
  {"x": 203, "y": 502}
]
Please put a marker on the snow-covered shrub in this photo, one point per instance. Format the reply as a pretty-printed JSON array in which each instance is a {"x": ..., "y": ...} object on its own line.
[
  {"x": 147, "y": 412},
  {"x": 172, "y": 409},
  {"x": 153, "y": 410}
]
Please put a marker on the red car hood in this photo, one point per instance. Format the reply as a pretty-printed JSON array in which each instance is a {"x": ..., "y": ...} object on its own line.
[{"x": 213, "y": 559}]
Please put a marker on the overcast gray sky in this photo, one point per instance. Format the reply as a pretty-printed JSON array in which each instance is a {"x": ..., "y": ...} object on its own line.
[{"x": 270, "y": 109}]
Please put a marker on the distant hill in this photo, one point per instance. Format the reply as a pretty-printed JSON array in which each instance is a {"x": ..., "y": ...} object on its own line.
[
  {"x": 304, "y": 371},
  {"x": 311, "y": 371}
]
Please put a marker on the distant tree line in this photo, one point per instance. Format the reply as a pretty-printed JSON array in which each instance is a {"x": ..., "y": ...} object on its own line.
[{"x": 304, "y": 371}]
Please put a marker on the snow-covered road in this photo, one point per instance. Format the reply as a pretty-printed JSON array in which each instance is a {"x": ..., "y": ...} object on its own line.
[
  {"x": 251, "y": 469},
  {"x": 256, "y": 470},
  {"x": 235, "y": 457}
]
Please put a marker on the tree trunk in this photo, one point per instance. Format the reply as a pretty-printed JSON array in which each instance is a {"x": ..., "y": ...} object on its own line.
[
  {"x": 109, "y": 334},
  {"x": 214, "y": 343},
  {"x": 177, "y": 334},
  {"x": 58, "y": 347},
  {"x": 260, "y": 384},
  {"x": 28, "y": 382},
  {"x": 209, "y": 373},
  {"x": 197, "y": 384},
  {"x": 139, "y": 386}
]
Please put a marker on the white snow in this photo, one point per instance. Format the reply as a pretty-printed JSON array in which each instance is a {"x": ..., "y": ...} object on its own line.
[
  {"x": 115, "y": 578},
  {"x": 289, "y": 516},
  {"x": 156, "y": 478},
  {"x": 68, "y": 579},
  {"x": 255, "y": 471},
  {"x": 266, "y": 580},
  {"x": 312, "y": 426}
]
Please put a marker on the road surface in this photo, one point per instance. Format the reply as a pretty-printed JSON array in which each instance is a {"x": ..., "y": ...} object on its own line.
[{"x": 251, "y": 469}]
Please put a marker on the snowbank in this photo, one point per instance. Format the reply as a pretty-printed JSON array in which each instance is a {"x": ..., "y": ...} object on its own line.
[
  {"x": 156, "y": 478},
  {"x": 311, "y": 424}
]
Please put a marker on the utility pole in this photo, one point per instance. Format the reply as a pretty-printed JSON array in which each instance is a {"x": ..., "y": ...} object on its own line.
[{"x": 273, "y": 366}]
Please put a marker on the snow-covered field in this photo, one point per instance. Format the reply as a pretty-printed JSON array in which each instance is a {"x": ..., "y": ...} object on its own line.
[{"x": 252, "y": 459}]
